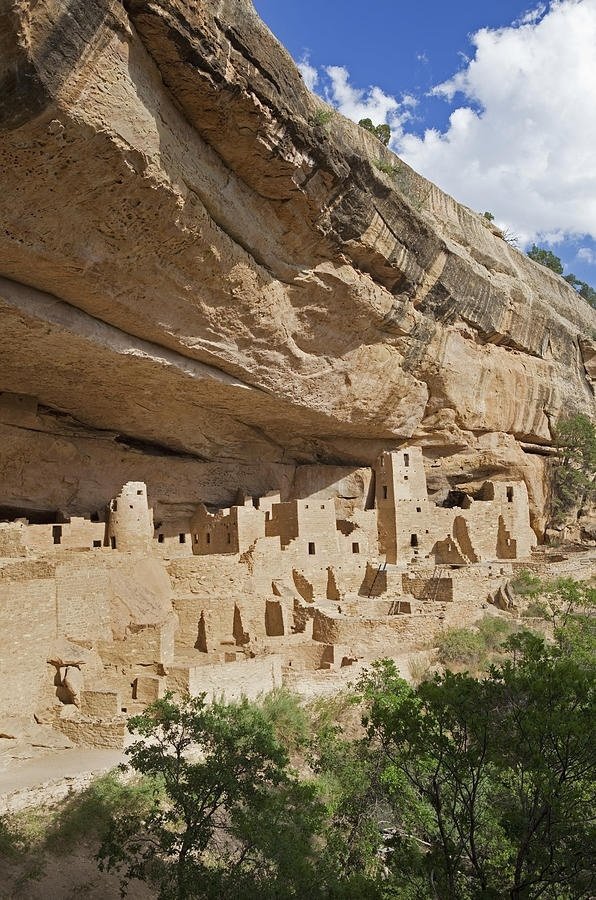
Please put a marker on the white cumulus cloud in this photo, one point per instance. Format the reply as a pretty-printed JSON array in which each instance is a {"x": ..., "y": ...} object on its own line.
[
  {"x": 521, "y": 139},
  {"x": 587, "y": 255},
  {"x": 372, "y": 103},
  {"x": 309, "y": 73},
  {"x": 522, "y": 144}
]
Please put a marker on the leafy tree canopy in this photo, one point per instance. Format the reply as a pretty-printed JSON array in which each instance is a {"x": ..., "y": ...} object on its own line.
[
  {"x": 546, "y": 258},
  {"x": 575, "y": 469},
  {"x": 383, "y": 132},
  {"x": 496, "y": 775}
]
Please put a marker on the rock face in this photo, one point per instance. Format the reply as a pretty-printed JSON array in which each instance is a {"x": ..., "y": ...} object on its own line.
[{"x": 206, "y": 281}]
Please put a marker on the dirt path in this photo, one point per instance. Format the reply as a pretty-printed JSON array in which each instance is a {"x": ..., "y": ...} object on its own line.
[{"x": 51, "y": 776}]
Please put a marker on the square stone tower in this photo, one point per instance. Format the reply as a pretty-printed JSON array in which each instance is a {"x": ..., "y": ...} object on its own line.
[{"x": 400, "y": 489}]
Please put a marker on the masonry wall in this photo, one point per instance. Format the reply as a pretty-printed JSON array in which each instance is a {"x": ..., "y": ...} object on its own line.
[
  {"x": 249, "y": 678},
  {"x": 494, "y": 526},
  {"x": 27, "y": 627},
  {"x": 78, "y": 534}
]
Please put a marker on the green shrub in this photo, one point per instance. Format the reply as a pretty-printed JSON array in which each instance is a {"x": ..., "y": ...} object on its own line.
[
  {"x": 285, "y": 712},
  {"x": 494, "y": 631},
  {"x": 527, "y": 585},
  {"x": 21, "y": 832},
  {"x": 536, "y": 610},
  {"x": 387, "y": 168},
  {"x": 322, "y": 117},
  {"x": 89, "y": 813},
  {"x": 461, "y": 645}
]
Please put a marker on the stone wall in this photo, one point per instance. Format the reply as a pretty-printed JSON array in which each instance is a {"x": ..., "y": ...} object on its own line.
[{"x": 249, "y": 678}]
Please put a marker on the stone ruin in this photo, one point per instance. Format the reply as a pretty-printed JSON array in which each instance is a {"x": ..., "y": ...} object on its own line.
[{"x": 102, "y": 615}]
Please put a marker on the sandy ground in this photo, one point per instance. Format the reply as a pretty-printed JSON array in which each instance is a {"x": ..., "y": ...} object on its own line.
[
  {"x": 20, "y": 780},
  {"x": 42, "y": 780}
]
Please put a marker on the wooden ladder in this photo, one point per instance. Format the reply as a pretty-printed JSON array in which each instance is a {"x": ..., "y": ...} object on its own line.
[
  {"x": 434, "y": 585},
  {"x": 382, "y": 567}
]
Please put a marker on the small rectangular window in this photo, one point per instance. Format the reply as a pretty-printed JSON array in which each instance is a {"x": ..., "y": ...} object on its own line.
[
  {"x": 510, "y": 495},
  {"x": 311, "y": 548},
  {"x": 160, "y": 538},
  {"x": 57, "y": 534},
  {"x": 413, "y": 540},
  {"x": 384, "y": 492},
  {"x": 418, "y": 509},
  {"x": 96, "y": 544},
  {"x": 113, "y": 542},
  {"x": 208, "y": 538},
  {"x": 355, "y": 547},
  {"x": 139, "y": 493},
  {"x": 229, "y": 538},
  {"x": 406, "y": 459},
  {"x": 182, "y": 537}
]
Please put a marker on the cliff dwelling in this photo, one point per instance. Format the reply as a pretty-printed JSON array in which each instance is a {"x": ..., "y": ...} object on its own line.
[
  {"x": 267, "y": 411},
  {"x": 104, "y": 613}
]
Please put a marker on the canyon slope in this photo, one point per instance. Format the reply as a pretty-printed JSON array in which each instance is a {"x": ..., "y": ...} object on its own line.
[{"x": 208, "y": 279}]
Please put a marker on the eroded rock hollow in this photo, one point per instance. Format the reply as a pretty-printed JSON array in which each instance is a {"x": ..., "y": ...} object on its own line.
[{"x": 207, "y": 284}]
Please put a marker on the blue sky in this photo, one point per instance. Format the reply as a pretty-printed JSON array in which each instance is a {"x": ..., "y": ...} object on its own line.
[{"x": 494, "y": 100}]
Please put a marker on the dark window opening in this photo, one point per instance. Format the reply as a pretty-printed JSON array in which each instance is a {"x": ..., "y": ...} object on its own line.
[
  {"x": 114, "y": 505},
  {"x": 131, "y": 506},
  {"x": 355, "y": 547},
  {"x": 306, "y": 506},
  {"x": 418, "y": 509},
  {"x": 57, "y": 534},
  {"x": 95, "y": 517},
  {"x": 413, "y": 540},
  {"x": 96, "y": 544},
  {"x": 160, "y": 538},
  {"x": 510, "y": 495},
  {"x": 208, "y": 538},
  {"x": 384, "y": 492},
  {"x": 229, "y": 538},
  {"x": 322, "y": 506},
  {"x": 405, "y": 477},
  {"x": 113, "y": 542},
  {"x": 139, "y": 493},
  {"x": 182, "y": 537},
  {"x": 311, "y": 548},
  {"x": 267, "y": 516},
  {"x": 406, "y": 459}
]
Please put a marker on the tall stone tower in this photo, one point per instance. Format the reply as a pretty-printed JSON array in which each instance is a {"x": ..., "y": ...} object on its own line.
[
  {"x": 130, "y": 521},
  {"x": 400, "y": 488}
]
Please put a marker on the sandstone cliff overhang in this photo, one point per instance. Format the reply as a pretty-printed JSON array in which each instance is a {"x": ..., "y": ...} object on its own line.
[{"x": 196, "y": 262}]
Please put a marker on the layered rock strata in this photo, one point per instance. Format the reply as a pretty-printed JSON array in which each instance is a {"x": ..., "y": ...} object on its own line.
[{"x": 208, "y": 280}]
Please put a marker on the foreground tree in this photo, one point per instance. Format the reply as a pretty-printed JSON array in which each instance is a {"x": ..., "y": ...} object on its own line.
[
  {"x": 575, "y": 468},
  {"x": 497, "y": 775},
  {"x": 232, "y": 821}
]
